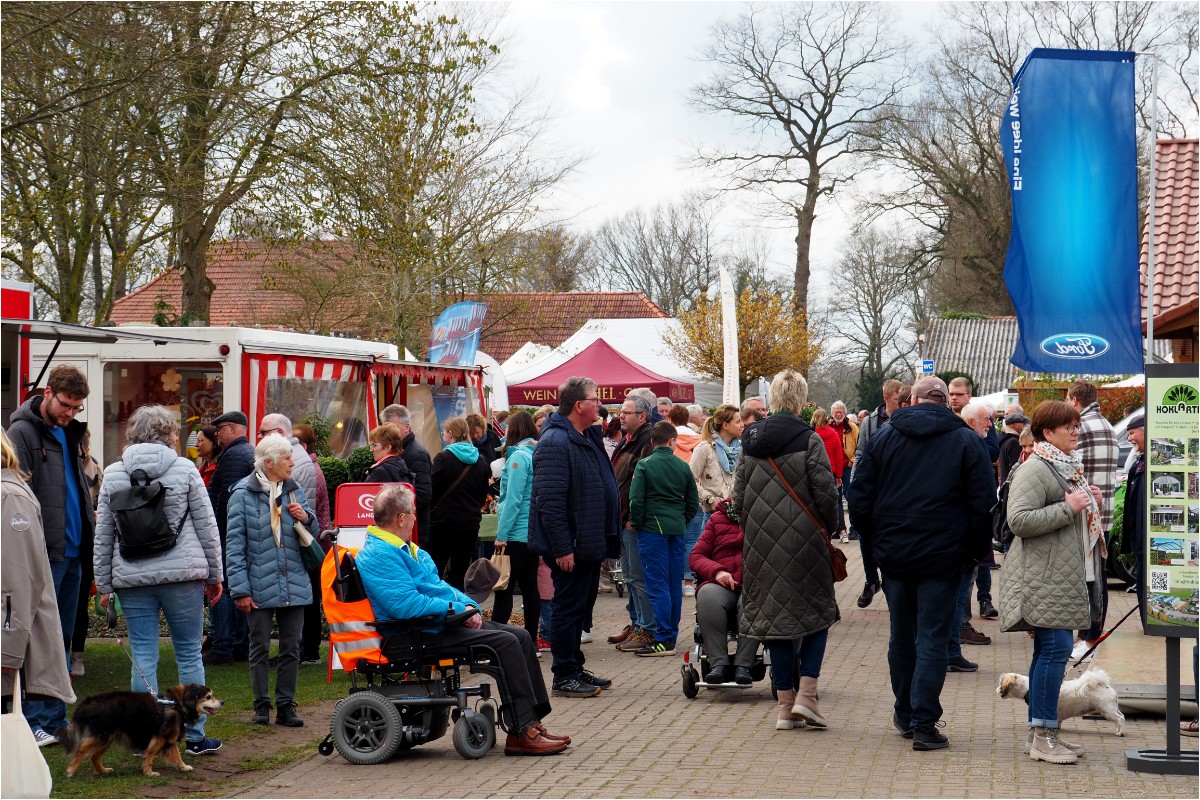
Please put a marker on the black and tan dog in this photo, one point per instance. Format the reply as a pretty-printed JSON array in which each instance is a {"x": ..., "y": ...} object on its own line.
[{"x": 137, "y": 721}]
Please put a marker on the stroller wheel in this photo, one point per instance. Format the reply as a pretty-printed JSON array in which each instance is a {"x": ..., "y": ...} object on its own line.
[{"x": 366, "y": 728}]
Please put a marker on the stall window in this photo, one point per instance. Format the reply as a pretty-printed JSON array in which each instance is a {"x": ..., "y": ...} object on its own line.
[
  {"x": 342, "y": 403},
  {"x": 194, "y": 390}
]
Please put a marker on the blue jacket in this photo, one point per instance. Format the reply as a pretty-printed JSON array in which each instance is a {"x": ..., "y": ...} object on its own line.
[
  {"x": 574, "y": 504},
  {"x": 402, "y": 587},
  {"x": 235, "y": 463},
  {"x": 274, "y": 577},
  {"x": 516, "y": 486}
]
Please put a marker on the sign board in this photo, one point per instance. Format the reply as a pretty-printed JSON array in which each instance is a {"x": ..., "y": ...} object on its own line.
[
  {"x": 927, "y": 366},
  {"x": 455, "y": 335},
  {"x": 1173, "y": 505}
]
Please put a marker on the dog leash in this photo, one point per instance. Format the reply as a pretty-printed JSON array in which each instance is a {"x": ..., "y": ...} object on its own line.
[
  {"x": 142, "y": 675},
  {"x": 1104, "y": 636}
]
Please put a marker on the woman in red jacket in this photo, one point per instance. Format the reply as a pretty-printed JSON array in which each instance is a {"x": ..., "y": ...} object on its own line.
[
  {"x": 837, "y": 460},
  {"x": 717, "y": 562}
]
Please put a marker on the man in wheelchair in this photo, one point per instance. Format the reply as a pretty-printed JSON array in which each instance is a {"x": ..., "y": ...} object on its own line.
[{"x": 402, "y": 582}]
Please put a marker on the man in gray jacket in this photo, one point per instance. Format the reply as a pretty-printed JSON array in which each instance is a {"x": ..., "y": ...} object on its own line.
[{"x": 47, "y": 439}]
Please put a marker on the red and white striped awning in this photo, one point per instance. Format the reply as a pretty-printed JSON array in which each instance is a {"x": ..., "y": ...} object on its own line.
[{"x": 258, "y": 368}]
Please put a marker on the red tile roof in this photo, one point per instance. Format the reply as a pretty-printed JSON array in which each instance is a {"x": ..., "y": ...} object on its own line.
[
  {"x": 1176, "y": 235},
  {"x": 245, "y": 273}
]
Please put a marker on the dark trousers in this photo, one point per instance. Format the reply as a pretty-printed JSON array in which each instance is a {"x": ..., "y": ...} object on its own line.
[
  {"x": 287, "y": 670},
  {"x": 983, "y": 583},
  {"x": 228, "y": 627},
  {"x": 1098, "y": 599},
  {"x": 524, "y": 570},
  {"x": 82, "y": 612},
  {"x": 574, "y": 595},
  {"x": 310, "y": 645},
  {"x": 522, "y": 690},
  {"x": 922, "y": 614},
  {"x": 870, "y": 567},
  {"x": 954, "y": 643},
  {"x": 452, "y": 551}
]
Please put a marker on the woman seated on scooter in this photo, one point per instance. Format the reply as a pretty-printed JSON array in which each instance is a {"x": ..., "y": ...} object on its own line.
[{"x": 717, "y": 562}]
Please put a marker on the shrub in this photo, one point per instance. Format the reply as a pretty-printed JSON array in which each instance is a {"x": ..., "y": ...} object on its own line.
[
  {"x": 336, "y": 473},
  {"x": 322, "y": 429},
  {"x": 358, "y": 463}
]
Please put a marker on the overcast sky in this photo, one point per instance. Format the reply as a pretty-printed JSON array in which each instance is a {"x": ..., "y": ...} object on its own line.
[{"x": 616, "y": 75}]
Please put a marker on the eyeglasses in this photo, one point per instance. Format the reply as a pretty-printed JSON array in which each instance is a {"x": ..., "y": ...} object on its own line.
[
  {"x": 1073, "y": 428},
  {"x": 590, "y": 400},
  {"x": 269, "y": 431},
  {"x": 71, "y": 408},
  {"x": 959, "y": 394}
]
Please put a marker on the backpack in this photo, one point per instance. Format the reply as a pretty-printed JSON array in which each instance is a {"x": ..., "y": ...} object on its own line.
[
  {"x": 140, "y": 518},
  {"x": 1002, "y": 535}
]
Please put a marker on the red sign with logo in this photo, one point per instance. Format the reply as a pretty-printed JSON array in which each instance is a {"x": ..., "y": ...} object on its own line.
[{"x": 354, "y": 505}]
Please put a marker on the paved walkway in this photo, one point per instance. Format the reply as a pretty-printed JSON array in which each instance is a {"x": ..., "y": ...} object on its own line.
[{"x": 642, "y": 738}]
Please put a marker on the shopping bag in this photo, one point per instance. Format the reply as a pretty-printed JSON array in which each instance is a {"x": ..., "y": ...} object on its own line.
[
  {"x": 23, "y": 769},
  {"x": 504, "y": 564}
]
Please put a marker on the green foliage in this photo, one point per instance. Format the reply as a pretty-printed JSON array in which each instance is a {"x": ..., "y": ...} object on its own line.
[
  {"x": 322, "y": 429},
  {"x": 949, "y": 375},
  {"x": 807, "y": 412},
  {"x": 336, "y": 473},
  {"x": 358, "y": 463},
  {"x": 164, "y": 313},
  {"x": 952, "y": 314},
  {"x": 869, "y": 388}
]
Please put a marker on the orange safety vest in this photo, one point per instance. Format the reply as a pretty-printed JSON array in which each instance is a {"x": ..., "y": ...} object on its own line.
[{"x": 350, "y": 634}]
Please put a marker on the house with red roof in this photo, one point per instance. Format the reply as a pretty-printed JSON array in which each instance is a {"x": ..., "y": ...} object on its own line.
[{"x": 1176, "y": 247}]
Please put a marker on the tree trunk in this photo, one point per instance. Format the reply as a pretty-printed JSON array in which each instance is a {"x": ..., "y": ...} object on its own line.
[{"x": 805, "y": 215}]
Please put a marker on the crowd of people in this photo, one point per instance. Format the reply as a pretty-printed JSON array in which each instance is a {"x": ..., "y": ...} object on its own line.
[{"x": 740, "y": 508}]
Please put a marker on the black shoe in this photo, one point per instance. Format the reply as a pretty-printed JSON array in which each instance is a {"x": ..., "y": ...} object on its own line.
[
  {"x": 272, "y": 662},
  {"x": 594, "y": 680},
  {"x": 718, "y": 674},
  {"x": 905, "y": 730},
  {"x": 854, "y": 537},
  {"x": 262, "y": 714},
  {"x": 286, "y": 715},
  {"x": 928, "y": 738},
  {"x": 868, "y": 594},
  {"x": 212, "y": 659},
  {"x": 987, "y": 610},
  {"x": 960, "y": 664},
  {"x": 574, "y": 687},
  {"x": 243, "y": 657},
  {"x": 742, "y": 676}
]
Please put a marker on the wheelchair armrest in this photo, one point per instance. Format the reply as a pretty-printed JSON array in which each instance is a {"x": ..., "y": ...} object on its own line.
[{"x": 427, "y": 621}]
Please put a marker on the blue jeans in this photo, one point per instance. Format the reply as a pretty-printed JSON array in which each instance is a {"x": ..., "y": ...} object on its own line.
[
  {"x": 783, "y": 659},
  {"x": 230, "y": 629},
  {"x": 638, "y": 604},
  {"x": 691, "y": 535},
  {"x": 922, "y": 614},
  {"x": 954, "y": 645},
  {"x": 983, "y": 583},
  {"x": 662, "y": 563},
  {"x": 183, "y": 606},
  {"x": 1051, "y": 649},
  {"x": 841, "y": 524},
  {"x": 546, "y": 621},
  {"x": 51, "y": 714}
]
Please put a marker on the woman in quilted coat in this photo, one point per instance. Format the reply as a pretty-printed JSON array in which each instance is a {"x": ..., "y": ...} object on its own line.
[
  {"x": 787, "y": 597},
  {"x": 1043, "y": 584},
  {"x": 267, "y": 578}
]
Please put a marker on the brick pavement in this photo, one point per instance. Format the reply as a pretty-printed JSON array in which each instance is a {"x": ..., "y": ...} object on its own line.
[{"x": 643, "y": 738}]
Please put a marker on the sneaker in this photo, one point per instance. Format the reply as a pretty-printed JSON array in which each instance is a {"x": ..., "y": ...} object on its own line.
[
  {"x": 845, "y": 538},
  {"x": 595, "y": 680},
  {"x": 854, "y": 537},
  {"x": 636, "y": 641},
  {"x": 202, "y": 747},
  {"x": 868, "y": 594},
  {"x": 586, "y": 638},
  {"x": 542, "y": 645},
  {"x": 969, "y": 635},
  {"x": 905, "y": 730},
  {"x": 574, "y": 687},
  {"x": 1080, "y": 648},
  {"x": 286, "y": 716},
  {"x": 656, "y": 650},
  {"x": 960, "y": 664},
  {"x": 310, "y": 660},
  {"x": 44, "y": 739},
  {"x": 1190, "y": 728},
  {"x": 689, "y": 590},
  {"x": 987, "y": 610},
  {"x": 927, "y": 737},
  {"x": 77, "y": 665}
]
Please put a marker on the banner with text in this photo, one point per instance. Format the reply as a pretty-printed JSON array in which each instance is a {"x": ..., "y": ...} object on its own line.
[
  {"x": 455, "y": 337},
  {"x": 1072, "y": 266}
]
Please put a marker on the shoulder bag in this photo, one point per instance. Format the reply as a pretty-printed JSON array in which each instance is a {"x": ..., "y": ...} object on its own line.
[
  {"x": 25, "y": 772},
  {"x": 837, "y": 559}
]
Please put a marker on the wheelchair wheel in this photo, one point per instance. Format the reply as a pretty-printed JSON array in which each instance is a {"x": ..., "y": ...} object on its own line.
[
  {"x": 366, "y": 729},
  {"x": 473, "y": 735},
  {"x": 691, "y": 682}
]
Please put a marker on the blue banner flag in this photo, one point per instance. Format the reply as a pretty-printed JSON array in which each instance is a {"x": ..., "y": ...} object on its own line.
[
  {"x": 455, "y": 337},
  {"x": 1072, "y": 266}
]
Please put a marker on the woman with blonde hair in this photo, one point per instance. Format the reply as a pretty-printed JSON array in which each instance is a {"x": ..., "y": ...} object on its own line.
[
  {"x": 716, "y": 457},
  {"x": 460, "y": 488}
]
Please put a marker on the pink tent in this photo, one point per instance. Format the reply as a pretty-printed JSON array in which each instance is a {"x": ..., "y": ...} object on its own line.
[{"x": 614, "y": 374}]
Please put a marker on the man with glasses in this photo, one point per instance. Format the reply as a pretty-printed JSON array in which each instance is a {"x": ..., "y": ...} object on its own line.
[
  {"x": 47, "y": 438},
  {"x": 418, "y": 460},
  {"x": 636, "y": 425},
  {"x": 574, "y": 512},
  {"x": 229, "y": 630}
]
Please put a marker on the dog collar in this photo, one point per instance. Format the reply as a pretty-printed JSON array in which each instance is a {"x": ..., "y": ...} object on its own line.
[{"x": 162, "y": 701}]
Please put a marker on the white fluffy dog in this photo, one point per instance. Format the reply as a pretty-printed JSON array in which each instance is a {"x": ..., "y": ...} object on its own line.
[{"x": 1090, "y": 693}]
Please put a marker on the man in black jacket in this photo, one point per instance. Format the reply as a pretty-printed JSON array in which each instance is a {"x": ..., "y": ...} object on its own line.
[
  {"x": 921, "y": 489},
  {"x": 636, "y": 424},
  {"x": 229, "y": 629},
  {"x": 47, "y": 439},
  {"x": 418, "y": 461}
]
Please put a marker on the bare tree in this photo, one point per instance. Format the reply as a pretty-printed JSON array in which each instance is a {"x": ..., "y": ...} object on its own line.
[
  {"x": 552, "y": 259},
  {"x": 802, "y": 79}
]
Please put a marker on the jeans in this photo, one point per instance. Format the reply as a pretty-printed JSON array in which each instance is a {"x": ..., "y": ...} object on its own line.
[
  {"x": 922, "y": 614},
  {"x": 230, "y": 633},
  {"x": 870, "y": 566},
  {"x": 662, "y": 562},
  {"x": 545, "y": 624},
  {"x": 1051, "y": 649},
  {"x": 51, "y": 714},
  {"x": 640, "y": 613},
  {"x": 523, "y": 574},
  {"x": 841, "y": 523},
  {"x": 291, "y": 626},
  {"x": 783, "y": 660},
  {"x": 183, "y": 605},
  {"x": 82, "y": 610},
  {"x": 954, "y": 640},
  {"x": 574, "y": 594},
  {"x": 691, "y": 535},
  {"x": 983, "y": 584}
]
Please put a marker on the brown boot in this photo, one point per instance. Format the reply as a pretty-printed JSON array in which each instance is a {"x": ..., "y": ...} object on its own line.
[
  {"x": 806, "y": 704},
  {"x": 617, "y": 638},
  {"x": 1046, "y": 746},
  {"x": 787, "y": 720}
]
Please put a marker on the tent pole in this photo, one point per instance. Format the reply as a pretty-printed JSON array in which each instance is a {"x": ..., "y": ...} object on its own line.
[{"x": 1151, "y": 211}]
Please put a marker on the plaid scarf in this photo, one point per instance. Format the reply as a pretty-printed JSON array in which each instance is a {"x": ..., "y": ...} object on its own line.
[{"x": 1070, "y": 467}]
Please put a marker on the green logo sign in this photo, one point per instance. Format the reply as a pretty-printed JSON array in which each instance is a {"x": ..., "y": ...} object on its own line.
[{"x": 1180, "y": 399}]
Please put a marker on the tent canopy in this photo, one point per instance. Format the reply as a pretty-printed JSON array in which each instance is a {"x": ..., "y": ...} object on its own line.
[{"x": 614, "y": 374}]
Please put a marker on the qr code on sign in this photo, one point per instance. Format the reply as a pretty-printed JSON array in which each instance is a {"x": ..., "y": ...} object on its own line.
[{"x": 1158, "y": 580}]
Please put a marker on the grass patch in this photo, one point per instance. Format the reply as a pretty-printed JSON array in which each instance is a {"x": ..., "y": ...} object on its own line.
[{"x": 109, "y": 669}]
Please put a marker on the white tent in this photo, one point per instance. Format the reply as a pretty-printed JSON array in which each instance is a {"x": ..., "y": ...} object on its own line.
[
  {"x": 493, "y": 381},
  {"x": 639, "y": 339},
  {"x": 1128, "y": 383}
]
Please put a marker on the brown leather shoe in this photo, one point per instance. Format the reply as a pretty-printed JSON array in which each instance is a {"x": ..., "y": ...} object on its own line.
[
  {"x": 531, "y": 743},
  {"x": 617, "y": 638},
  {"x": 548, "y": 735},
  {"x": 968, "y": 635}
]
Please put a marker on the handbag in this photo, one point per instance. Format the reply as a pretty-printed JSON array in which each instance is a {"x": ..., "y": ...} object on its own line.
[
  {"x": 311, "y": 552},
  {"x": 837, "y": 559},
  {"x": 23, "y": 769},
  {"x": 504, "y": 564}
]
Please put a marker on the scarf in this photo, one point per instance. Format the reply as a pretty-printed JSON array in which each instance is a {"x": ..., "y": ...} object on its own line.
[
  {"x": 1070, "y": 467},
  {"x": 273, "y": 491},
  {"x": 727, "y": 454}
]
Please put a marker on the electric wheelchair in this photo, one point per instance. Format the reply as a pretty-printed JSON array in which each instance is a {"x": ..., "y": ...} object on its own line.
[{"x": 696, "y": 665}]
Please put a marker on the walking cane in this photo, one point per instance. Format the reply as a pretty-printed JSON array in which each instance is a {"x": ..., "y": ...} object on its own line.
[{"x": 1104, "y": 636}]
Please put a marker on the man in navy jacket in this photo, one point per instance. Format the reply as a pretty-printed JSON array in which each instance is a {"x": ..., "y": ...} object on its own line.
[
  {"x": 228, "y": 628},
  {"x": 574, "y": 509}
]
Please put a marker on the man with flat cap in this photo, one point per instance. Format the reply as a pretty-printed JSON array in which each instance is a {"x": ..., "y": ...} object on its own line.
[
  {"x": 229, "y": 631},
  {"x": 923, "y": 490},
  {"x": 1010, "y": 441}
]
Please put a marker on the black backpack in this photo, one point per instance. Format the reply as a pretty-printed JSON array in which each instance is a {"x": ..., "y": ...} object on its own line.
[
  {"x": 1002, "y": 535},
  {"x": 140, "y": 517}
]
